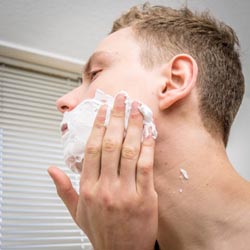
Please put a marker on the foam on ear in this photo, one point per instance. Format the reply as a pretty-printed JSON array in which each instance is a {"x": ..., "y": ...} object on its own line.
[{"x": 80, "y": 121}]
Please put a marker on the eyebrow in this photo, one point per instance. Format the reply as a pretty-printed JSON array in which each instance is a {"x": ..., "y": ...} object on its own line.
[{"x": 95, "y": 58}]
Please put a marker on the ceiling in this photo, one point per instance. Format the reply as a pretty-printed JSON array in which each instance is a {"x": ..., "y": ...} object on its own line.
[{"x": 73, "y": 28}]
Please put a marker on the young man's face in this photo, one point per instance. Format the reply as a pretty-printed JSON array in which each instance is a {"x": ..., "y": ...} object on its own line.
[{"x": 114, "y": 66}]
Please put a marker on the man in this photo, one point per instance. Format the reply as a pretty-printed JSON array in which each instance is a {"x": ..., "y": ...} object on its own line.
[{"x": 186, "y": 68}]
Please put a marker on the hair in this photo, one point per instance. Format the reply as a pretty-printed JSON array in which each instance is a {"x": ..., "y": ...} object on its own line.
[{"x": 164, "y": 32}]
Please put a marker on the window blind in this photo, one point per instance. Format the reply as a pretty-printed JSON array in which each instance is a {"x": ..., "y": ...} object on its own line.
[{"x": 31, "y": 214}]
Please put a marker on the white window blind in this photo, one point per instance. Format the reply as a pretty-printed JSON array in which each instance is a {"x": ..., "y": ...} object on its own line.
[{"x": 31, "y": 214}]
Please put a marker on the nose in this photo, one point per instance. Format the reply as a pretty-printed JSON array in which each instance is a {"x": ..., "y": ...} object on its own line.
[{"x": 69, "y": 101}]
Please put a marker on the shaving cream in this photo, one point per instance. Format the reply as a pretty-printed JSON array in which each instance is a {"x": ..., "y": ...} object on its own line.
[{"x": 77, "y": 124}]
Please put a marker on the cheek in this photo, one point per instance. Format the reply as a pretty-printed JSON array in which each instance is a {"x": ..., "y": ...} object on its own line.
[
  {"x": 89, "y": 90},
  {"x": 111, "y": 82},
  {"x": 136, "y": 82}
]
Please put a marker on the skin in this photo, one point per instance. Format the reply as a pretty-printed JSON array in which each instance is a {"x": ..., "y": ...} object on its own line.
[{"x": 143, "y": 201}]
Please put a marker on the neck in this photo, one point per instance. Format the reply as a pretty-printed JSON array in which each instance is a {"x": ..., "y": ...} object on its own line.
[{"x": 208, "y": 210}]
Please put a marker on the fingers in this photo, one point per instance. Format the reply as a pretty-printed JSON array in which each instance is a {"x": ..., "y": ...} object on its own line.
[
  {"x": 113, "y": 139},
  {"x": 92, "y": 157},
  {"x": 131, "y": 147},
  {"x": 145, "y": 181},
  {"x": 65, "y": 189},
  {"x": 108, "y": 155}
]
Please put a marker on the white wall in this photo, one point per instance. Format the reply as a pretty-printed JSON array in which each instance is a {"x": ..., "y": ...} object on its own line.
[{"x": 239, "y": 141}]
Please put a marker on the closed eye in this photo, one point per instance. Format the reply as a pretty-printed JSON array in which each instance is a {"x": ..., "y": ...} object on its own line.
[{"x": 94, "y": 74}]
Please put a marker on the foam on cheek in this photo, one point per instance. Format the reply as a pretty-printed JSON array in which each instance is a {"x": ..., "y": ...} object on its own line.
[{"x": 80, "y": 122}]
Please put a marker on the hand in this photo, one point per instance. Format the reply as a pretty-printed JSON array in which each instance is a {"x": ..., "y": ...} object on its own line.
[{"x": 117, "y": 206}]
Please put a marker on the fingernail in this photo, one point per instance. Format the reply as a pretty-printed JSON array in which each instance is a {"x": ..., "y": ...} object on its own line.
[
  {"x": 101, "y": 115},
  {"x": 134, "y": 108},
  {"x": 120, "y": 99},
  {"x": 103, "y": 109}
]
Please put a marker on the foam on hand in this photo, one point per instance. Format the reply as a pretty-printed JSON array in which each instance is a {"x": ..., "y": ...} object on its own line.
[{"x": 77, "y": 125}]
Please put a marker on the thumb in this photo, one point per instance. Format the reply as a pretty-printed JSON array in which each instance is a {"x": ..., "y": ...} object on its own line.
[{"x": 65, "y": 189}]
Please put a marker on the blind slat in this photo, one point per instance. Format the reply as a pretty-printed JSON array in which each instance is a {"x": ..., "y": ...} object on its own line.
[
  {"x": 41, "y": 218},
  {"x": 38, "y": 115},
  {"x": 19, "y": 155},
  {"x": 26, "y": 104},
  {"x": 15, "y": 136},
  {"x": 28, "y": 211},
  {"x": 15, "y": 80},
  {"x": 40, "y": 162},
  {"x": 39, "y": 112},
  {"x": 27, "y": 191},
  {"x": 64, "y": 238},
  {"x": 9, "y": 95},
  {"x": 13, "y": 123},
  {"x": 30, "y": 203},
  {"x": 66, "y": 231},
  {"x": 10, "y": 183},
  {"x": 24, "y": 93},
  {"x": 29, "y": 131},
  {"x": 28, "y": 119},
  {"x": 10, "y": 85},
  {"x": 46, "y": 246},
  {"x": 35, "y": 78},
  {"x": 10, "y": 223}
]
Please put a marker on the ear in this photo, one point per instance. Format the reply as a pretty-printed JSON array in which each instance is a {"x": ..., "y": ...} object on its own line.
[{"x": 181, "y": 76}]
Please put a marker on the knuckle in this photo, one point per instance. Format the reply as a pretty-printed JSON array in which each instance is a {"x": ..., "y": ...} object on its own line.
[
  {"x": 99, "y": 123},
  {"x": 64, "y": 191},
  {"x": 149, "y": 144},
  {"x": 153, "y": 196},
  {"x": 129, "y": 203},
  {"x": 86, "y": 195},
  {"x": 92, "y": 149},
  {"x": 145, "y": 169},
  {"x": 136, "y": 116},
  {"x": 109, "y": 145},
  {"x": 148, "y": 210},
  {"x": 129, "y": 152},
  {"x": 118, "y": 112},
  {"x": 106, "y": 201}
]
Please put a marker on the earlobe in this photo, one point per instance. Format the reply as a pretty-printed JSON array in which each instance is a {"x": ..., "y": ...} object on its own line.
[{"x": 181, "y": 76}]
